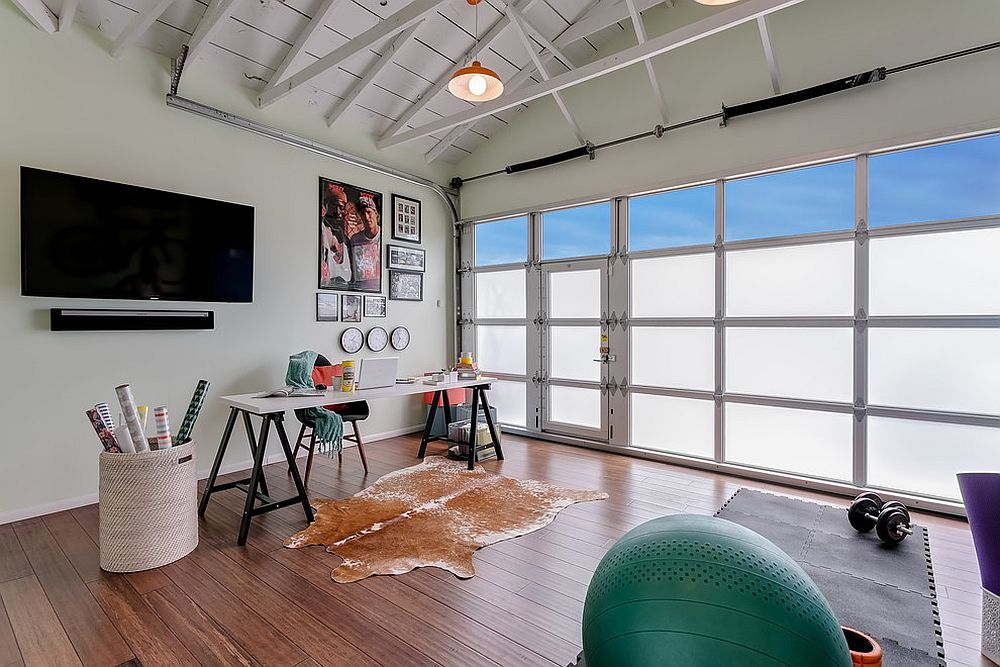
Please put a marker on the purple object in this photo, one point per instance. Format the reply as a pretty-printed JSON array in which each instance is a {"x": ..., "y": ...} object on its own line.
[{"x": 981, "y": 494}]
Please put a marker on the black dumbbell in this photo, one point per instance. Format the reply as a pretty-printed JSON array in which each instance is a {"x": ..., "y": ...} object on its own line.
[{"x": 891, "y": 520}]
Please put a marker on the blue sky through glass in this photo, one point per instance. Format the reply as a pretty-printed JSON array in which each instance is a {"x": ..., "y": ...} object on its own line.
[
  {"x": 577, "y": 232},
  {"x": 502, "y": 241},
  {"x": 671, "y": 219},
  {"x": 944, "y": 182},
  {"x": 802, "y": 201}
]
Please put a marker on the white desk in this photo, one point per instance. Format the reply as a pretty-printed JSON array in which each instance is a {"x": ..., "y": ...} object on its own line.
[{"x": 272, "y": 411}]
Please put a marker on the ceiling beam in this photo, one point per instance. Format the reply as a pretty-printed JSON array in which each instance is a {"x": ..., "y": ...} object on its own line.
[
  {"x": 723, "y": 20},
  {"x": 139, "y": 24},
  {"x": 67, "y": 14},
  {"x": 522, "y": 31},
  {"x": 446, "y": 142},
  {"x": 605, "y": 14},
  {"x": 640, "y": 35},
  {"x": 387, "y": 27},
  {"x": 370, "y": 74},
  {"x": 40, "y": 15},
  {"x": 772, "y": 62},
  {"x": 215, "y": 15},
  {"x": 316, "y": 23}
]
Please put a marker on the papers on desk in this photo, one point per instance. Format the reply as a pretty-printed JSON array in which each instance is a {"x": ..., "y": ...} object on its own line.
[{"x": 291, "y": 392}]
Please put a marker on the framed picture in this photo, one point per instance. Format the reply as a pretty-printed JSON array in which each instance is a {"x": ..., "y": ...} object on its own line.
[
  {"x": 406, "y": 286},
  {"x": 350, "y": 237},
  {"x": 375, "y": 306},
  {"x": 350, "y": 308},
  {"x": 405, "y": 219},
  {"x": 326, "y": 308},
  {"x": 406, "y": 259}
]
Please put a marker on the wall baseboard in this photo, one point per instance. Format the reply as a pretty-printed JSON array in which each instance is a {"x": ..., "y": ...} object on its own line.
[{"x": 91, "y": 498}]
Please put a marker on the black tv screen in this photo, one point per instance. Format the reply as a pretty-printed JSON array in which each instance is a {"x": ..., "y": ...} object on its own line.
[{"x": 93, "y": 239}]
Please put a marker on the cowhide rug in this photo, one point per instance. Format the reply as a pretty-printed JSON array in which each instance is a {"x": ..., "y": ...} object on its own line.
[{"x": 437, "y": 513}]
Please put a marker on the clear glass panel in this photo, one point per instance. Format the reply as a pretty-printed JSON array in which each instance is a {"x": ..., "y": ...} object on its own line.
[
  {"x": 806, "y": 442},
  {"x": 669, "y": 424},
  {"x": 806, "y": 362},
  {"x": 944, "y": 182},
  {"x": 501, "y": 349},
  {"x": 677, "y": 357},
  {"x": 500, "y": 294},
  {"x": 577, "y": 232},
  {"x": 502, "y": 241},
  {"x": 509, "y": 400},
  {"x": 924, "y": 457},
  {"x": 938, "y": 369},
  {"x": 671, "y": 219},
  {"x": 801, "y": 201},
  {"x": 956, "y": 273},
  {"x": 575, "y": 293},
  {"x": 795, "y": 280},
  {"x": 572, "y": 353},
  {"x": 679, "y": 286},
  {"x": 576, "y": 406}
]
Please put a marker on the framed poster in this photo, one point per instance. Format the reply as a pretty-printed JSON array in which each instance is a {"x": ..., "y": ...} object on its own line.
[
  {"x": 350, "y": 308},
  {"x": 406, "y": 259},
  {"x": 406, "y": 286},
  {"x": 405, "y": 219},
  {"x": 326, "y": 308},
  {"x": 350, "y": 237},
  {"x": 375, "y": 306}
]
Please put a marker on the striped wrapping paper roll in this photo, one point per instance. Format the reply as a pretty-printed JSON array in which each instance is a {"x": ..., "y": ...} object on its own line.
[
  {"x": 104, "y": 434},
  {"x": 162, "y": 420},
  {"x": 132, "y": 422},
  {"x": 194, "y": 408},
  {"x": 104, "y": 410}
]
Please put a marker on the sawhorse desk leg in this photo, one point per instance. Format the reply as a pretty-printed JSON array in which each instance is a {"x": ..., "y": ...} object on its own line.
[{"x": 479, "y": 397}]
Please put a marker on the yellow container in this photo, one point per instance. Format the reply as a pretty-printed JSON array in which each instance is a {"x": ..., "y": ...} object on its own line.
[{"x": 347, "y": 375}]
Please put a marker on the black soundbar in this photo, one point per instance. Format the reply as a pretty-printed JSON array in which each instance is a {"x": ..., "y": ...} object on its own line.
[{"x": 94, "y": 319}]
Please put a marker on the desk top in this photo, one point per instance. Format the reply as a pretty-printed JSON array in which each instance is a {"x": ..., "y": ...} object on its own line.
[{"x": 263, "y": 406}]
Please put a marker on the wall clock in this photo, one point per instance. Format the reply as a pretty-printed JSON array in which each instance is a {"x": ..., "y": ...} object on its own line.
[
  {"x": 400, "y": 338},
  {"x": 351, "y": 340},
  {"x": 378, "y": 338}
]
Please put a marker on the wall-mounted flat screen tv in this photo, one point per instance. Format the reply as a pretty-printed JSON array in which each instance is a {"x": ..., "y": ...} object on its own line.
[{"x": 93, "y": 239}]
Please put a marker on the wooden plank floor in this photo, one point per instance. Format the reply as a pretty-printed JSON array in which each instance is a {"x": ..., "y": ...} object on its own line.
[{"x": 265, "y": 605}]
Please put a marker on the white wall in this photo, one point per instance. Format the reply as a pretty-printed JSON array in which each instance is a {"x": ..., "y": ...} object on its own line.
[
  {"x": 67, "y": 106},
  {"x": 815, "y": 42}
]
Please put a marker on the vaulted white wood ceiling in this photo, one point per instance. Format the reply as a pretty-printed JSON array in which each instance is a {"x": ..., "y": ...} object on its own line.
[{"x": 349, "y": 60}]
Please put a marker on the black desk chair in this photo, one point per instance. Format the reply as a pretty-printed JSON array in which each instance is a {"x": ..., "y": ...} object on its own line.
[{"x": 351, "y": 413}]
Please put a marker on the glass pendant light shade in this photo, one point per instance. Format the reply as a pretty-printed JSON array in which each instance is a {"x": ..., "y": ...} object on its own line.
[{"x": 475, "y": 83}]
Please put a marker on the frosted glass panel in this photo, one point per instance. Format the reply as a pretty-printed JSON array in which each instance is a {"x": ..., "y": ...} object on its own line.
[
  {"x": 575, "y": 293},
  {"x": 577, "y": 232},
  {"x": 818, "y": 444},
  {"x": 572, "y": 405},
  {"x": 796, "y": 280},
  {"x": 572, "y": 353},
  {"x": 923, "y": 457},
  {"x": 669, "y": 424},
  {"x": 678, "y": 357},
  {"x": 671, "y": 219},
  {"x": 509, "y": 400},
  {"x": 502, "y": 241},
  {"x": 681, "y": 286},
  {"x": 940, "y": 369},
  {"x": 810, "y": 363},
  {"x": 500, "y": 294},
  {"x": 501, "y": 349},
  {"x": 957, "y": 273}
]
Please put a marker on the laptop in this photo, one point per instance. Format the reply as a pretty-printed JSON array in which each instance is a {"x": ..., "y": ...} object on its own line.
[{"x": 378, "y": 372}]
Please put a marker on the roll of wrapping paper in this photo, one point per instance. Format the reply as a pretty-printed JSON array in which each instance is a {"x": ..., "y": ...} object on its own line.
[
  {"x": 104, "y": 410},
  {"x": 132, "y": 422},
  {"x": 143, "y": 416},
  {"x": 194, "y": 408},
  {"x": 162, "y": 427},
  {"x": 104, "y": 434}
]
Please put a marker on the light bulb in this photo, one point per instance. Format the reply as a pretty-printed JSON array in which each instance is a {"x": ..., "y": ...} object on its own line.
[{"x": 477, "y": 84}]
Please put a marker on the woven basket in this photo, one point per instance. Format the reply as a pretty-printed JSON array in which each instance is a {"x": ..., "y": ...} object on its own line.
[
  {"x": 991, "y": 626},
  {"x": 149, "y": 514}
]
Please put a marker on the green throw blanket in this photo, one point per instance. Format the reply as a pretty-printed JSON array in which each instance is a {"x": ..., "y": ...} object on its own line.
[{"x": 328, "y": 426}]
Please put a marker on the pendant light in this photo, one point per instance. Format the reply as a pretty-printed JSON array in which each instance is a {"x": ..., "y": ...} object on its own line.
[
  {"x": 475, "y": 83},
  {"x": 716, "y": 2}
]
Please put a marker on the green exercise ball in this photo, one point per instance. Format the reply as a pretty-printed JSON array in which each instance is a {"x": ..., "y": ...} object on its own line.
[{"x": 698, "y": 590}]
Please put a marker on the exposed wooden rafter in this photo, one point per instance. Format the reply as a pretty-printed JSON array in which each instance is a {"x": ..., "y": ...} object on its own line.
[
  {"x": 772, "y": 62},
  {"x": 67, "y": 14},
  {"x": 723, "y": 20},
  {"x": 39, "y": 14},
  {"x": 640, "y": 35},
  {"x": 315, "y": 24},
  {"x": 215, "y": 15},
  {"x": 139, "y": 24}
]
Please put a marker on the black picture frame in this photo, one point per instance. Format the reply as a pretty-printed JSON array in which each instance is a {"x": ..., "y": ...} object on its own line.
[
  {"x": 406, "y": 220},
  {"x": 350, "y": 308},
  {"x": 345, "y": 215},
  {"x": 405, "y": 258},
  {"x": 376, "y": 310},
  {"x": 324, "y": 300},
  {"x": 406, "y": 286}
]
